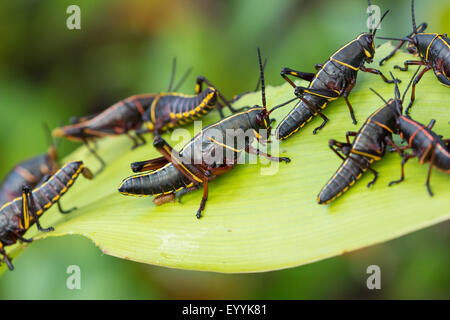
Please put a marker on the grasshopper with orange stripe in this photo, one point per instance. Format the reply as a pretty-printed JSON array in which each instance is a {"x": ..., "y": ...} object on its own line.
[
  {"x": 197, "y": 162},
  {"x": 17, "y": 216},
  {"x": 426, "y": 145},
  {"x": 31, "y": 172},
  {"x": 333, "y": 79},
  {"x": 159, "y": 112},
  {"x": 433, "y": 50}
]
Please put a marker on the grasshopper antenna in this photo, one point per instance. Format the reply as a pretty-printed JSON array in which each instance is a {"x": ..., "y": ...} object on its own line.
[
  {"x": 263, "y": 86},
  {"x": 379, "y": 23},
  {"x": 413, "y": 17},
  {"x": 172, "y": 76},
  {"x": 259, "y": 79},
  {"x": 379, "y": 95},
  {"x": 52, "y": 144},
  {"x": 48, "y": 135},
  {"x": 397, "y": 91},
  {"x": 283, "y": 104},
  {"x": 399, "y": 39},
  {"x": 183, "y": 78}
]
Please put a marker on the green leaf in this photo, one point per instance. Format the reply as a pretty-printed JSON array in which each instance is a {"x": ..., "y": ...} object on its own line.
[{"x": 256, "y": 222}]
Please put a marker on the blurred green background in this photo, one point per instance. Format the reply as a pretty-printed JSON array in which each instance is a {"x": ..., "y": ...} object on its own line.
[{"x": 49, "y": 73}]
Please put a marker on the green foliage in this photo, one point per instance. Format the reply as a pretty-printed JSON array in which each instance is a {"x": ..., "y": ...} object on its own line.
[{"x": 255, "y": 222}]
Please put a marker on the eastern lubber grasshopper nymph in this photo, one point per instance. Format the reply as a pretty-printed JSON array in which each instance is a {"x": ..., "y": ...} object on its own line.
[
  {"x": 212, "y": 152},
  {"x": 368, "y": 146},
  {"x": 160, "y": 112},
  {"x": 31, "y": 172},
  {"x": 426, "y": 145},
  {"x": 335, "y": 78},
  {"x": 17, "y": 216},
  {"x": 433, "y": 50}
]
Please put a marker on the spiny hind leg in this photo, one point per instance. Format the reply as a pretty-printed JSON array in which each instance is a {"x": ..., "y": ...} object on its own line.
[
  {"x": 29, "y": 211},
  {"x": 314, "y": 110},
  {"x": 191, "y": 171},
  {"x": 308, "y": 76},
  {"x": 153, "y": 164},
  {"x": 338, "y": 147}
]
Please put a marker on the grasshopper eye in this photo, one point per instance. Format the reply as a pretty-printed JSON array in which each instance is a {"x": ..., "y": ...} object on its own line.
[{"x": 259, "y": 119}]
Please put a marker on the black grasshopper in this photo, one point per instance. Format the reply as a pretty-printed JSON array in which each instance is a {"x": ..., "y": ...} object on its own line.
[
  {"x": 335, "y": 78},
  {"x": 17, "y": 216},
  {"x": 160, "y": 112},
  {"x": 426, "y": 145},
  {"x": 368, "y": 146},
  {"x": 31, "y": 172},
  {"x": 197, "y": 163},
  {"x": 433, "y": 50}
]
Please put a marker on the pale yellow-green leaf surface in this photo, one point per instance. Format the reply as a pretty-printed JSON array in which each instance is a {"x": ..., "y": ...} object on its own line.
[{"x": 256, "y": 222}]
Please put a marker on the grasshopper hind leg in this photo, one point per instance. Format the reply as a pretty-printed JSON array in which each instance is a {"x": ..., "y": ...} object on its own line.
[{"x": 6, "y": 259}]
